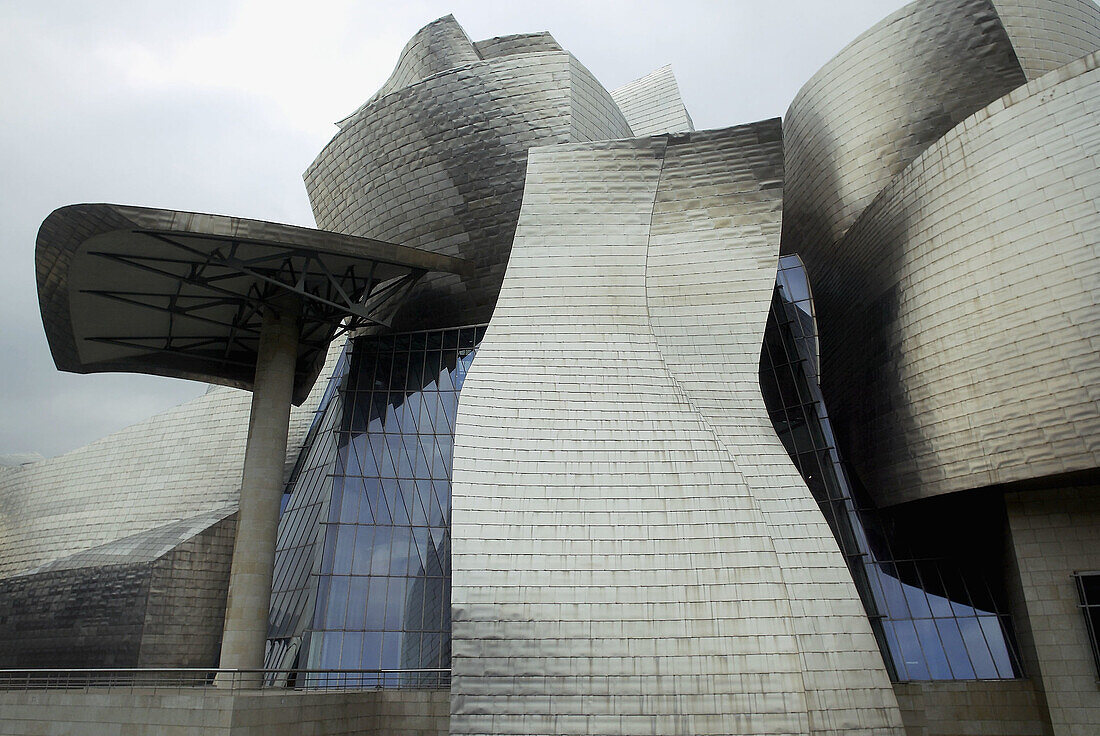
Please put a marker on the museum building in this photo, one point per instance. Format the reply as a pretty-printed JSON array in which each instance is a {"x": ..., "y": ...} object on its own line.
[{"x": 602, "y": 424}]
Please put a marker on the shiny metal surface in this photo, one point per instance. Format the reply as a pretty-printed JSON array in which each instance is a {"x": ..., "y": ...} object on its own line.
[
  {"x": 962, "y": 331},
  {"x": 177, "y": 465},
  {"x": 633, "y": 551},
  {"x": 436, "y": 160},
  {"x": 1048, "y": 34},
  {"x": 179, "y": 294},
  {"x": 154, "y": 599},
  {"x": 652, "y": 104},
  {"x": 901, "y": 85},
  {"x": 874, "y": 107}
]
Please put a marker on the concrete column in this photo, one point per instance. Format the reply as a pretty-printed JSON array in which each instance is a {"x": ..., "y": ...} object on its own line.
[{"x": 246, "y": 613}]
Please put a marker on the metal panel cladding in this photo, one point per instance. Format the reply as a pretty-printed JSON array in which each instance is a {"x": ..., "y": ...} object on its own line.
[
  {"x": 874, "y": 107},
  {"x": 437, "y": 158},
  {"x": 633, "y": 551},
  {"x": 964, "y": 330}
]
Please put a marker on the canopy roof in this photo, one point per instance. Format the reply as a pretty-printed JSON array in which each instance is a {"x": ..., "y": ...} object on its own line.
[{"x": 181, "y": 294}]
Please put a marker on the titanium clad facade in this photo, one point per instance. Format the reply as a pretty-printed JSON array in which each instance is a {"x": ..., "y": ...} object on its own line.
[
  {"x": 876, "y": 105},
  {"x": 437, "y": 162},
  {"x": 1048, "y": 34},
  {"x": 178, "y": 464},
  {"x": 520, "y": 43},
  {"x": 652, "y": 104},
  {"x": 154, "y": 599},
  {"x": 175, "y": 465},
  {"x": 895, "y": 90},
  {"x": 633, "y": 550},
  {"x": 437, "y": 47},
  {"x": 650, "y": 522},
  {"x": 974, "y": 278},
  {"x": 938, "y": 609}
]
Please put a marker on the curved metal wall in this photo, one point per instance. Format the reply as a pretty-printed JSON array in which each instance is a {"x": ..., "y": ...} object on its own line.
[
  {"x": 437, "y": 47},
  {"x": 1048, "y": 34},
  {"x": 633, "y": 551},
  {"x": 652, "y": 104},
  {"x": 963, "y": 330},
  {"x": 439, "y": 164},
  {"x": 176, "y": 465}
]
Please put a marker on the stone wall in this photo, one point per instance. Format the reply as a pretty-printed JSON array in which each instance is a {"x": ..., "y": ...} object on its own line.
[
  {"x": 980, "y": 707},
  {"x": 1054, "y": 534},
  {"x": 213, "y": 712}
]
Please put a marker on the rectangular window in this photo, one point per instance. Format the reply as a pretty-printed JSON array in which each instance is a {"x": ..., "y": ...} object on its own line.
[{"x": 1088, "y": 592}]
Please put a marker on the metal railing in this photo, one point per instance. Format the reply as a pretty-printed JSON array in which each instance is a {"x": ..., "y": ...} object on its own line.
[{"x": 228, "y": 679}]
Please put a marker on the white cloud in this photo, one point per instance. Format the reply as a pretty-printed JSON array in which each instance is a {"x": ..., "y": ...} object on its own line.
[{"x": 220, "y": 106}]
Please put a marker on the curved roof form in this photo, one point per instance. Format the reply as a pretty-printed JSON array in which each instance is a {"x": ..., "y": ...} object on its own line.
[
  {"x": 437, "y": 47},
  {"x": 901, "y": 85},
  {"x": 974, "y": 277},
  {"x": 181, "y": 294},
  {"x": 877, "y": 104},
  {"x": 1048, "y": 34},
  {"x": 437, "y": 159},
  {"x": 652, "y": 104}
]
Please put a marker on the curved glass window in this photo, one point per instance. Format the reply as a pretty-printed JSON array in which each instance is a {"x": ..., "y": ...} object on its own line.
[
  {"x": 935, "y": 618},
  {"x": 363, "y": 557}
]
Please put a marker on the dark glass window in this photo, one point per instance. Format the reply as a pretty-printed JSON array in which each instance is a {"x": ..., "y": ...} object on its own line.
[
  {"x": 934, "y": 619},
  {"x": 1088, "y": 592},
  {"x": 363, "y": 555}
]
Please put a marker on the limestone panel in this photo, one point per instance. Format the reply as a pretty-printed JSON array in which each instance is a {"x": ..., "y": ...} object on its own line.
[
  {"x": 1054, "y": 534},
  {"x": 615, "y": 564},
  {"x": 959, "y": 341},
  {"x": 1002, "y": 707},
  {"x": 218, "y": 711}
]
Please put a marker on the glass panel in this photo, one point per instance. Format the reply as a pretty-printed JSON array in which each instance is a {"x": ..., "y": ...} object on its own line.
[
  {"x": 996, "y": 641},
  {"x": 911, "y": 650},
  {"x": 980, "y": 657},
  {"x": 395, "y": 603},
  {"x": 375, "y": 617},
  {"x": 955, "y": 649},
  {"x": 357, "y": 604},
  {"x": 337, "y": 603},
  {"x": 934, "y": 656},
  {"x": 936, "y": 611},
  {"x": 364, "y": 546},
  {"x": 345, "y": 548}
]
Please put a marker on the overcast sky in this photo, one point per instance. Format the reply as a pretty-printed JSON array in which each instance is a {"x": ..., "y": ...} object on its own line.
[{"x": 220, "y": 106}]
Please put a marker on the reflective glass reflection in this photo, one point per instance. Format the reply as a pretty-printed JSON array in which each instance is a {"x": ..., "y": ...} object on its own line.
[
  {"x": 933, "y": 619},
  {"x": 369, "y": 510}
]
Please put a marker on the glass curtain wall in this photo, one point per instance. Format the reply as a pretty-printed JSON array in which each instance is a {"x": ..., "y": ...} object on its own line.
[
  {"x": 362, "y": 576},
  {"x": 935, "y": 619}
]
